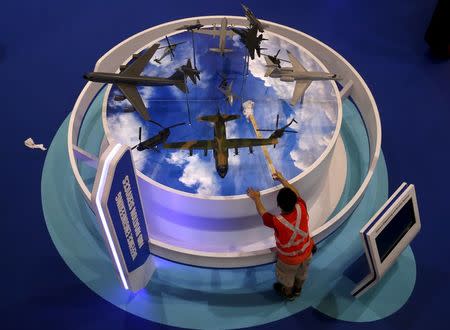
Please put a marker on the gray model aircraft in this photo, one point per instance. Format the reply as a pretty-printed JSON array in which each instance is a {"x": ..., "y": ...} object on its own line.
[
  {"x": 253, "y": 20},
  {"x": 222, "y": 33},
  {"x": 226, "y": 88},
  {"x": 189, "y": 71},
  {"x": 190, "y": 27},
  {"x": 302, "y": 77},
  {"x": 130, "y": 77},
  {"x": 220, "y": 144},
  {"x": 274, "y": 58},
  {"x": 251, "y": 40},
  {"x": 169, "y": 50}
]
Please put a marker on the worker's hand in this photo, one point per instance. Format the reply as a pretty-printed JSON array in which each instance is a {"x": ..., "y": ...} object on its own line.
[
  {"x": 253, "y": 194},
  {"x": 278, "y": 176}
]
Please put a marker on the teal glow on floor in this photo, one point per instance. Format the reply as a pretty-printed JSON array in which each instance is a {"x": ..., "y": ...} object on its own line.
[{"x": 192, "y": 297}]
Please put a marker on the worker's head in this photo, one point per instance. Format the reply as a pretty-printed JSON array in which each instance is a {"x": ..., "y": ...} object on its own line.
[{"x": 286, "y": 200}]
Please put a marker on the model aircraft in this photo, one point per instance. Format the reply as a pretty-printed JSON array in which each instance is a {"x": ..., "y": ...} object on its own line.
[
  {"x": 279, "y": 132},
  {"x": 191, "y": 27},
  {"x": 275, "y": 60},
  {"x": 130, "y": 77},
  {"x": 154, "y": 141},
  {"x": 225, "y": 88},
  {"x": 220, "y": 144},
  {"x": 251, "y": 40},
  {"x": 253, "y": 20},
  {"x": 169, "y": 50},
  {"x": 302, "y": 77},
  {"x": 222, "y": 33},
  {"x": 189, "y": 71}
]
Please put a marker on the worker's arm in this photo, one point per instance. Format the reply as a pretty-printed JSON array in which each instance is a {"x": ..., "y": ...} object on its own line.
[
  {"x": 256, "y": 197},
  {"x": 279, "y": 177}
]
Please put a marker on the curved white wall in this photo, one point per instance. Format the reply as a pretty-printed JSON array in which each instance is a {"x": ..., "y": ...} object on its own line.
[{"x": 241, "y": 206}]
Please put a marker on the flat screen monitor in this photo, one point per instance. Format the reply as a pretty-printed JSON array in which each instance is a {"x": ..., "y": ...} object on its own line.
[{"x": 388, "y": 233}]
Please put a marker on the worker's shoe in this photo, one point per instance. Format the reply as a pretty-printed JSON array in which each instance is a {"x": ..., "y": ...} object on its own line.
[
  {"x": 278, "y": 287},
  {"x": 297, "y": 291}
]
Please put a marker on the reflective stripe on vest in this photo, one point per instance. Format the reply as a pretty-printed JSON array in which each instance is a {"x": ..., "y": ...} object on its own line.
[{"x": 295, "y": 231}]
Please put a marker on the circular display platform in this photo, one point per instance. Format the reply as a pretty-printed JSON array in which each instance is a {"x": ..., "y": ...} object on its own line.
[{"x": 193, "y": 216}]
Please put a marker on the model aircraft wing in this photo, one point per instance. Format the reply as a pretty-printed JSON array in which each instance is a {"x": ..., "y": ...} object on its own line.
[
  {"x": 189, "y": 145},
  {"x": 245, "y": 143},
  {"x": 132, "y": 95},
  {"x": 299, "y": 90},
  {"x": 135, "y": 68},
  {"x": 213, "y": 32},
  {"x": 295, "y": 63}
]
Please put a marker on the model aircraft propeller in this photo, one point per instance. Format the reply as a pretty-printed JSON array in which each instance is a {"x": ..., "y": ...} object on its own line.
[
  {"x": 170, "y": 48},
  {"x": 140, "y": 140},
  {"x": 278, "y": 132},
  {"x": 179, "y": 124}
]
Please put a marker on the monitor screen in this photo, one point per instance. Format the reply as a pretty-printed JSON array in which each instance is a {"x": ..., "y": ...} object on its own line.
[{"x": 395, "y": 230}]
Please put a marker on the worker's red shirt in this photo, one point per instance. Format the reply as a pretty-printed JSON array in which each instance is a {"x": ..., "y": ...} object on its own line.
[{"x": 283, "y": 234}]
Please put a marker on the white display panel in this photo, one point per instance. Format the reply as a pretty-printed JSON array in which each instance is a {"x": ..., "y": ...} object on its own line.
[{"x": 388, "y": 233}]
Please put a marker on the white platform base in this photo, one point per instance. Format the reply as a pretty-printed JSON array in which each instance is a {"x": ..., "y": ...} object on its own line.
[{"x": 240, "y": 242}]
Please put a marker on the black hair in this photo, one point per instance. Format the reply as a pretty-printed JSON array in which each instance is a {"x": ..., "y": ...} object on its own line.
[{"x": 286, "y": 199}]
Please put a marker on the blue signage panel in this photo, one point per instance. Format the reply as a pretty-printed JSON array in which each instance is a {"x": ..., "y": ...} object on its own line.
[{"x": 127, "y": 216}]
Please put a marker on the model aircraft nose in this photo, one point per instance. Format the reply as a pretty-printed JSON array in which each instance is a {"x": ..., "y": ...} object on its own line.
[
  {"x": 335, "y": 77},
  {"x": 222, "y": 170}
]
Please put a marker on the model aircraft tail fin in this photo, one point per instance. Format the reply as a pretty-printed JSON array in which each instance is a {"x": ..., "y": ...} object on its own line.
[
  {"x": 221, "y": 51},
  {"x": 179, "y": 81}
]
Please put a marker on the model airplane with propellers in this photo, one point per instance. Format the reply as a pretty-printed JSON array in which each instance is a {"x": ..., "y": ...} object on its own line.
[{"x": 220, "y": 144}]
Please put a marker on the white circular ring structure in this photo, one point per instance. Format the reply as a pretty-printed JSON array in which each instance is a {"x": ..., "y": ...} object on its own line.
[{"x": 242, "y": 206}]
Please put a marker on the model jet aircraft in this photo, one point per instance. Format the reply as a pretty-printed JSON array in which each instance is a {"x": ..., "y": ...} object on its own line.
[
  {"x": 253, "y": 20},
  {"x": 275, "y": 60},
  {"x": 279, "y": 132},
  {"x": 225, "y": 88},
  {"x": 154, "y": 141},
  {"x": 302, "y": 77},
  {"x": 251, "y": 40},
  {"x": 191, "y": 27},
  {"x": 220, "y": 144},
  {"x": 130, "y": 77},
  {"x": 190, "y": 71},
  {"x": 222, "y": 33},
  {"x": 169, "y": 50}
]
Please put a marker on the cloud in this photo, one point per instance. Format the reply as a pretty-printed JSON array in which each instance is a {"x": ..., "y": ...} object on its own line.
[
  {"x": 236, "y": 41},
  {"x": 124, "y": 128},
  {"x": 197, "y": 173}
]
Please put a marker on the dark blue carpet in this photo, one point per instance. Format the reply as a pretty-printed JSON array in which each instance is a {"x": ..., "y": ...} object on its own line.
[{"x": 46, "y": 46}]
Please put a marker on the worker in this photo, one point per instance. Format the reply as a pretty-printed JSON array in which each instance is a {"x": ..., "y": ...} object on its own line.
[{"x": 294, "y": 245}]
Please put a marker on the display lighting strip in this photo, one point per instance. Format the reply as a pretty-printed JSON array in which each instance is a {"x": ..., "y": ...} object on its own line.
[{"x": 101, "y": 187}]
